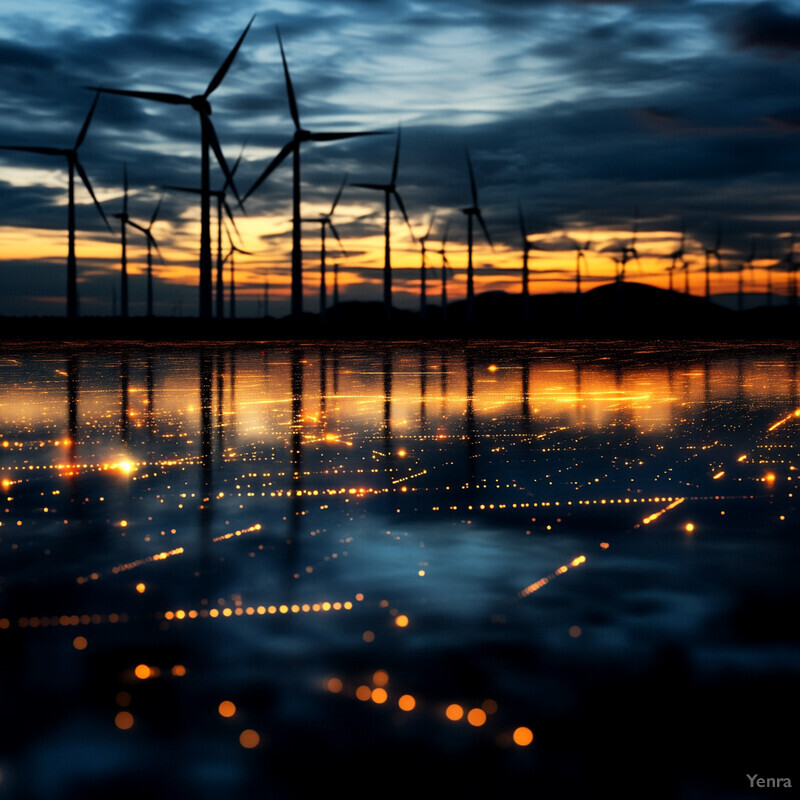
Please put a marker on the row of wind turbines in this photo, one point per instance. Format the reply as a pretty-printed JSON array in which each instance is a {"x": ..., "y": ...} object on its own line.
[{"x": 622, "y": 254}]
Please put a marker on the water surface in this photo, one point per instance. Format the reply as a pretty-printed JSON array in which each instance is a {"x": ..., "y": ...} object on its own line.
[{"x": 398, "y": 560}]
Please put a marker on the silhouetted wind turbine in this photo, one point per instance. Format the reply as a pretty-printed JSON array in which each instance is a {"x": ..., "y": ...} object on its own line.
[
  {"x": 336, "y": 293},
  {"x": 628, "y": 251},
  {"x": 748, "y": 262},
  {"x": 73, "y": 164},
  {"x": 423, "y": 285},
  {"x": 677, "y": 258},
  {"x": 445, "y": 270},
  {"x": 791, "y": 273},
  {"x": 222, "y": 205},
  {"x": 151, "y": 242},
  {"x": 323, "y": 221},
  {"x": 526, "y": 248},
  {"x": 472, "y": 211},
  {"x": 713, "y": 251},
  {"x": 208, "y": 140},
  {"x": 580, "y": 260},
  {"x": 389, "y": 190},
  {"x": 230, "y": 255},
  {"x": 124, "y": 220},
  {"x": 293, "y": 147}
]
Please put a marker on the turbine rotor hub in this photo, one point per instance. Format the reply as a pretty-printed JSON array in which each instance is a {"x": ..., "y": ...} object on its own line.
[{"x": 200, "y": 103}]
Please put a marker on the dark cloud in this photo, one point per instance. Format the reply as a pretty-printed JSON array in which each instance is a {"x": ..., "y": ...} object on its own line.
[{"x": 768, "y": 26}]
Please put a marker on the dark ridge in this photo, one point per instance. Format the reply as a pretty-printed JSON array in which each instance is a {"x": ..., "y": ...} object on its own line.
[{"x": 618, "y": 311}]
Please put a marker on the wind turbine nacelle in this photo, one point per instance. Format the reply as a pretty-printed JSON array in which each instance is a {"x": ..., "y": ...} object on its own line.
[{"x": 200, "y": 104}]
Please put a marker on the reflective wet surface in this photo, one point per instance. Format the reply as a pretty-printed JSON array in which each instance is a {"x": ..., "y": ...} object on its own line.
[{"x": 258, "y": 569}]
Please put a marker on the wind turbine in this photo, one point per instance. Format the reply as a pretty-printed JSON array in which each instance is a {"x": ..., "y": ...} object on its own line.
[
  {"x": 677, "y": 258},
  {"x": 230, "y": 255},
  {"x": 472, "y": 211},
  {"x": 526, "y": 248},
  {"x": 72, "y": 164},
  {"x": 293, "y": 147},
  {"x": 389, "y": 190},
  {"x": 123, "y": 218},
  {"x": 628, "y": 251},
  {"x": 748, "y": 262},
  {"x": 580, "y": 260},
  {"x": 791, "y": 272},
  {"x": 151, "y": 242},
  {"x": 336, "y": 293},
  {"x": 222, "y": 205},
  {"x": 423, "y": 286},
  {"x": 445, "y": 270},
  {"x": 323, "y": 221},
  {"x": 208, "y": 141},
  {"x": 713, "y": 251}
]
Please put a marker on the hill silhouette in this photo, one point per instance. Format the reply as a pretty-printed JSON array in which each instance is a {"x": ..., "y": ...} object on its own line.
[{"x": 628, "y": 310}]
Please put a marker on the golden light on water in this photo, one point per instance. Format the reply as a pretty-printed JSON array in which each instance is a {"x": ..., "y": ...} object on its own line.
[
  {"x": 226, "y": 709},
  {"x": 124, "y": 720}
]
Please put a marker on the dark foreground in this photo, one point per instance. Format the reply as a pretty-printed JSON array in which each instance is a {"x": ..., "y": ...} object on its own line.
[{"x": 272, "y": 571}]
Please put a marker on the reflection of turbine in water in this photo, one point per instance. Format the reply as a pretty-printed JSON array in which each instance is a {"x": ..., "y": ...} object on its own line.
[
  {"x": 124, "y": 389},
  {"x": 150, "y": 387},
  {"x": 526, "y": 396},
  {"x": 469, "y": 366},
  {"x": 387, "y": 405},
  {"x": 423, "y": 389},
  {"x": 220, "y": 372},
  {"x": 72, "y": 405},
  {"x": 206, "y": 450},
  {"x": 323, "y": 385},
  {"x": 296, "y": 456}
]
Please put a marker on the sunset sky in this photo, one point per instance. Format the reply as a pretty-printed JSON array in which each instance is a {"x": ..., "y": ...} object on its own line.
[{"x": 581, "y": 111}]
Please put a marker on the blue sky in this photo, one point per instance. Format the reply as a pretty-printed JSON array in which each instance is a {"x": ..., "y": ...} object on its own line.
[{"x": 581, "y": 111}]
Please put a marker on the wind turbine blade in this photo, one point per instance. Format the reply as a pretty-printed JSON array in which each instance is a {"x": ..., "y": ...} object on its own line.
[
  {"x": 183, "y": 189},
  {"x": 273, "y": 165},
  {"x": 235, "y": 165},
  {"x": 155, "y": 213},
  {"x": 485, "y": 229},
  {"x": 155, "y": 244},
  {"x": 82, "y": 134},
  {"x": 243, "y": 252},
  {"x": 396, "y": 162},
  {"x": 405, "y": 216},
  {"x": 47, "y": 151},
  {"x": 217, "y": 79},
  {"x": 88, "y": 185},
  {"x": 335, "y": 137},
  {"x": 378, "y": 187},
  {"x": 212, "y": 138},
  {"x": 472, "y": 186},
  {"x": 230, "y": 217},
  {"x": 335, "y": 233},
  {"x": 137, "y": 226},
  {"x": 159, "y": 97},
  {"x": 338, "y": 195},
  {"x": 430, "y": 227},
  {"x": 289, "y": 88},
  {"x": 125, "y": 189},
  {"x": 446, "y": 231}
]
